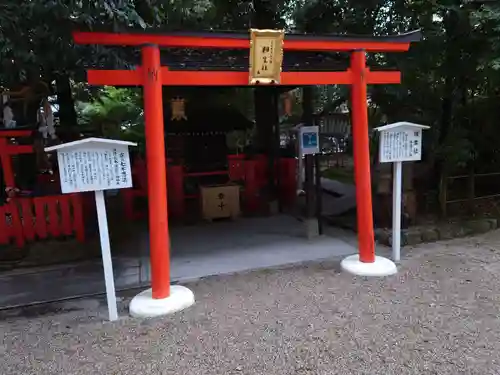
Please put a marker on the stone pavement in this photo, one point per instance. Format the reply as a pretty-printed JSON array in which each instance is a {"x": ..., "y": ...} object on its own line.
[
  {"x": 439, "y": 315},
  {"x": 197, "y": 251}
]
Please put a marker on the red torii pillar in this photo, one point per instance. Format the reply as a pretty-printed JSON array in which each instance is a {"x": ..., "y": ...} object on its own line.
[
  {"x": 361, "y": 153},
  {"x": 365, "y": 263},
  {"x": 161, "y": 298},
  {"x": 159, "y": 236}
]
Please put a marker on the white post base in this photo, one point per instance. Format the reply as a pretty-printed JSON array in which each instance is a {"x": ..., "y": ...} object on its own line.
[
  {"x": 381, "y": 267},
  {"x": 144, "y": 305}
]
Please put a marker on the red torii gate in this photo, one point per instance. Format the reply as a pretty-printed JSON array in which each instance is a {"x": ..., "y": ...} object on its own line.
[{"x": 152, "y": 76}]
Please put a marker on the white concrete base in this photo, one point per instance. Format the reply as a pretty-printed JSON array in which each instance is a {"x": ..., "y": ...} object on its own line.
[
  {"x": 144, "y": 306},
  {"x": 381, "y": 267}
]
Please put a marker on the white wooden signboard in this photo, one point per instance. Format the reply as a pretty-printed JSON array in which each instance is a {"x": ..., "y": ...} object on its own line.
[
  {"x": 96, "y": 164},
  {"x": 399, "y": 142}
]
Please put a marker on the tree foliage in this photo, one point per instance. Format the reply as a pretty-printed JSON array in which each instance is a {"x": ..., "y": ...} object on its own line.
[{"x": 35, "y": 38}]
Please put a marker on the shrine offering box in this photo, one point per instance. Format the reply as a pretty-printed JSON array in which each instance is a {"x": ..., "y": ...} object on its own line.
[{"x": 220, "y": 201}]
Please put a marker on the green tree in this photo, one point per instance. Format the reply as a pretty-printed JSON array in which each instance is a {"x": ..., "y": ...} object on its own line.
[
  {"x": 114, "y": 111},
  {"x": 35, "y": 42}
]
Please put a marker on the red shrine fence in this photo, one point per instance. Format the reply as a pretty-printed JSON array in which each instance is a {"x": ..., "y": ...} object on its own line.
[{"x": 26, "y": 219}]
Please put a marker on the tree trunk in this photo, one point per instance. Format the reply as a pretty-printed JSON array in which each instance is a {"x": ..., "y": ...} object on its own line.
[
  {"x": 67, "y": 112},
  {"x": 451, "y": 22}
]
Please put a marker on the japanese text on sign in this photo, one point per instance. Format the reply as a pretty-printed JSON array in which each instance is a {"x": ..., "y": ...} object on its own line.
[
  {"x": 266, "y": 56},
  {"x": 94, "y": 169},
  {"x": 400, "y": 145},
  {"x": 266, "y": 47}
]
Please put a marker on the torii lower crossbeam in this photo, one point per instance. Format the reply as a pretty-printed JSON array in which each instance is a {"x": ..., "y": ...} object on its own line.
[{"x": 218, "y": 78}]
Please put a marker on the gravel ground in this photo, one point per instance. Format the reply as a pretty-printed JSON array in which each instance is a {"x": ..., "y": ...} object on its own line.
[{"x": 439, "y": 315}]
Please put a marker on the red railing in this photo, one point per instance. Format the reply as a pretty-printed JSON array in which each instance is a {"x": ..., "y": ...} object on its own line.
[
  {"x": 251, "y": 173},
  {"x": 27, "y": 219}
]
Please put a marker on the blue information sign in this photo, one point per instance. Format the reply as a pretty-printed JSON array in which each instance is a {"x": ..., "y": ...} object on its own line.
[{"x": 309, "y": 140}]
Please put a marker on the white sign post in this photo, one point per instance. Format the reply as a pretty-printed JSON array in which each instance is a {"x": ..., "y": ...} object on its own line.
[
  {"x": 96, "y": 164},
  {"x": 399, "y": 142}
]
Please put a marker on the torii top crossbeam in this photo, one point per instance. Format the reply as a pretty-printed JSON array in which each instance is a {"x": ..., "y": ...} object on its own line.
[
  {"x": 292, "y": 42},
  {"x": 228, "y": 40}
]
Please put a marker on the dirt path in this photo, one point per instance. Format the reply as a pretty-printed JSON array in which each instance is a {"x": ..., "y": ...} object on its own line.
[{"x": 439, "y": 315}]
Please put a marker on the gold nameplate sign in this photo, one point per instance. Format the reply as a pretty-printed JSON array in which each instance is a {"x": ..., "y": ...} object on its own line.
[{"x": 266, "y": 56}]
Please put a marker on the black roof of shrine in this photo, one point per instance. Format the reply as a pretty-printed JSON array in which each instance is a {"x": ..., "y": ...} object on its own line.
[
  {"x": 410, "y": 36},
  {"x": 208, "y": 59}
]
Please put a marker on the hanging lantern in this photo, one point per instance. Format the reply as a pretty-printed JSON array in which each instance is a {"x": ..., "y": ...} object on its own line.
[{"x": 178, "y": 109}]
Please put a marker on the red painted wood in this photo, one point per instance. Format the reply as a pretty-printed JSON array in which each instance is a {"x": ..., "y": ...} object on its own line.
[
  {"x": 65, "y": 207},
  {"x": 115, "y": 77},
  {"x": 312, "y": 43},
  {"x": 128, "y": 196},
  {"x": 19, "y": 149},
  {"x": 6, "y": 164},
  {"x": 18, "y": 229},
  {"x": 261, "y": 166},
  {"x": 6, "y": 150},
  {"x": 159, "y": 237},
  {"x": 236, "y": 165},
  {"x": 87, "y": 201},
  {"x": 15, "y": 133},
  {"x": 220, "y": 78},
  {"x": 141, "y": 175},
  {"x": 139, "y": 189},
  {"x": 40, "y": 218},
  {"x": 54, "y": 226},
  {"x": 4, "y": 228},
  {"x": 361, "y": 154},
  {"x": 78, "y": 222},
  {"x": 382, "y": 78},
  {"x": 16, "y": 226},
  {"x": 250, "y": 193},
  {"x": 26, "y": 206},
  {"x": 176, "y": 190}
]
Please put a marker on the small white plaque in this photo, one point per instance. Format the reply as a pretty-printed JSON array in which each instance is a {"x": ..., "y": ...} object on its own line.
[{"x": 400, "y": 142}]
